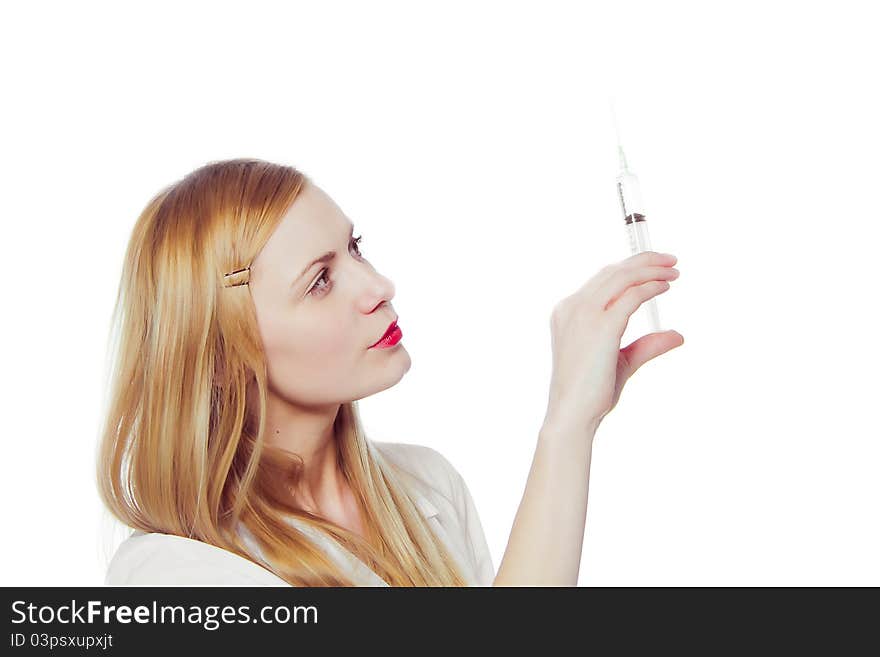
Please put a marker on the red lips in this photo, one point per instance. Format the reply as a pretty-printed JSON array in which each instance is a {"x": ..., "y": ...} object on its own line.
[{"x": 390, "y": 328}]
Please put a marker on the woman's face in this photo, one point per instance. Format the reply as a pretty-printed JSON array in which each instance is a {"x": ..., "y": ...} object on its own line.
[{"x": 317, "y": 325}]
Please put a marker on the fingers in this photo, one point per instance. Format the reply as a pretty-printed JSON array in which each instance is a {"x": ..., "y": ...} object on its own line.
[
  {"x": 604, "y": 289},
  {"x": 643, "y": 259},
  {"x": 625, "y": 278},
  {"x": 646, "y": 258},
  {"x": 648, "y": 347},
  {"x": 634, "y": 296}
]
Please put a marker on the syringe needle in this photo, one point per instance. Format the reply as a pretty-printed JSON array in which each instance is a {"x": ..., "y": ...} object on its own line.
[
  {"x": 614, "y": 119},
  {"x": 622, "y": 157}
]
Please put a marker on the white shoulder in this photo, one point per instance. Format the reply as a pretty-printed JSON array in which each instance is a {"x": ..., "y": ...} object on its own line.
[
  {"x": 424, "y": 463},
  {"x": 169, "y": 560},
  {"x": 447, "y": 494}
]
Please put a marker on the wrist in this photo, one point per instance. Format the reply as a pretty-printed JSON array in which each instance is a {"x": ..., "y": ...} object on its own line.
[{"x": 557, "y": 427}]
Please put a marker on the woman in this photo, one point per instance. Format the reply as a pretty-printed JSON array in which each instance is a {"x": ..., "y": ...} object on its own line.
[{"x": 233, "y": 445}]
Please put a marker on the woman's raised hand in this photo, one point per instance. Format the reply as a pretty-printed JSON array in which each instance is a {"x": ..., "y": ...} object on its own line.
[{"x": 589, "y": 367}]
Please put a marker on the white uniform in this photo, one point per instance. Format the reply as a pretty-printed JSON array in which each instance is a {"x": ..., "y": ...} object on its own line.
[{"x": 437, "y": 488}]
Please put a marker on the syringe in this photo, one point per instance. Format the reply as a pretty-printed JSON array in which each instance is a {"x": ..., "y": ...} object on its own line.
[{"x": 633, "y": 207}]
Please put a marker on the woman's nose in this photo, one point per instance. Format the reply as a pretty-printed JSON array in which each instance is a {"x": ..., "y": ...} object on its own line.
[{"x": 380, "y": 288}]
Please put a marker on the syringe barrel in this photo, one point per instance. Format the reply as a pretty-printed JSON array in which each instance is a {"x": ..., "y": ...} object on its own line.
[
  {"x": 630, "y": 193},
  {"x": 637, "y": 230},
  {"x": 634, "y": 214}
]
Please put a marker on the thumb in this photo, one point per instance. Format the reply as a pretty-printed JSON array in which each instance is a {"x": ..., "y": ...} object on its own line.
[{"x": 649, "y": 347}]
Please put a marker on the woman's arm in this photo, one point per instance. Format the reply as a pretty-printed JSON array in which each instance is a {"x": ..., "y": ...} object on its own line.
[
  {"x": 548, "y": 532},
  {"x": 589, "y": 372}
]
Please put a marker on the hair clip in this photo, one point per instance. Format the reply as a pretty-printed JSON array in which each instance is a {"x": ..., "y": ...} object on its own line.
[{"x": 237, "y": 271}]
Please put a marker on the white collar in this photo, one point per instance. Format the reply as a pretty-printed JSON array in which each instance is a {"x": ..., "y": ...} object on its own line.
[{"x": 425, "y": 505}]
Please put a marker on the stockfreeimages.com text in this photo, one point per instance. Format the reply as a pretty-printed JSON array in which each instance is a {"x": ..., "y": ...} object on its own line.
[{"x": 211, "y": 616}]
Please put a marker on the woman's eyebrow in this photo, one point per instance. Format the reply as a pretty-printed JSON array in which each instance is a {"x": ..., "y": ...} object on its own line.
[{"x": 327, "y": 257}]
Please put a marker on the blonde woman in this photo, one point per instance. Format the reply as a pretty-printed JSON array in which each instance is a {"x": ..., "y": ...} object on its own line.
[{"x": 248, "y": 324}]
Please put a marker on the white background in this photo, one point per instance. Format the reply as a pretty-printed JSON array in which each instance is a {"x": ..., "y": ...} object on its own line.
[{"x": 471, "y": 143}]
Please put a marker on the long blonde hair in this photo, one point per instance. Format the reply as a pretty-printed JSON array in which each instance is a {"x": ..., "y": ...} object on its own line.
[{"x": 182, "y": 447}]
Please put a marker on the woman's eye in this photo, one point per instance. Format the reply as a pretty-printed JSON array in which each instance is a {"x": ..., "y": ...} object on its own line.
[{"x": 319, "y": 289}]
